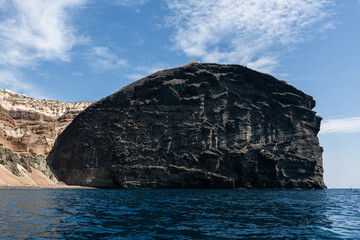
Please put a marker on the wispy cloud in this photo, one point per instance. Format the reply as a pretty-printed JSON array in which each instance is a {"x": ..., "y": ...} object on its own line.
[
  {"x": 102, "y": 60},
  {"x": 139, "y": 72},
  {"x": 151, "y": 68},
  {"x": 343, "y": 125},
  {"x": 249, "y": 32},
  {"x": 128, "y": 3},
  {"x": 36, "y": 30},
  {"x": 31, "y": 32},
  {"x": 135, "y": 76},
  {"x": 15, "y": 82},
  {"x": 12, "y": 81},
  {"x": 78, "y": 74}
]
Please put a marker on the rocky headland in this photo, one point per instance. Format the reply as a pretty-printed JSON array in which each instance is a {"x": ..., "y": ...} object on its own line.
[
  {"x": 197, "y": 126},
  {"x": 28, "y": 129}
]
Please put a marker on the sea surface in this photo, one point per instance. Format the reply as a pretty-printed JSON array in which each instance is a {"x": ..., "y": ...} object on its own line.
[{"x": 179, "y": 214}]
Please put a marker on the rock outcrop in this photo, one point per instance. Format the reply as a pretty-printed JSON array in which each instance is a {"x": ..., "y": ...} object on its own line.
[
  {"x": 30, "y": 126},
  {"x": 197, "y": 126},
  {"x": 24, "y": 171}
]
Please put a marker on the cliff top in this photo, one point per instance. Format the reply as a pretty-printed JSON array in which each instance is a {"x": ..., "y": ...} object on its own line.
[
  {"x": 261, "y": 81},
  {"x": 51, "y": 108}
]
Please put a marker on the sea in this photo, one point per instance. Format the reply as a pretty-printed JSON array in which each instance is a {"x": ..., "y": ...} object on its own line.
[{"x": 179, "y": 214}]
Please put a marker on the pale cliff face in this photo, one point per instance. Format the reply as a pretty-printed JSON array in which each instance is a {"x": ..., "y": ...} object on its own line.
[
  {"x": 49, "y": 108},
  {"x": 30, "y": 126}
]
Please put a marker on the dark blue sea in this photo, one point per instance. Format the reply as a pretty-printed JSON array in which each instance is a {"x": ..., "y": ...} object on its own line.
[{"x": 179, "y": 214}]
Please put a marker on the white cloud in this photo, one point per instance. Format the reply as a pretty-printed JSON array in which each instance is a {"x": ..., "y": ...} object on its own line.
[
  {"x": 128, "y": 3},
  {"x": 343, "y": 125},
  {"x": 31, "y": 32},
  {"x": 150, "y": 69},
  {"x": 14, "y": 81},
  {"x": 36, "y": 30},
  {"x": 78, "y": 74},
  {"x": 102, "y": 60},
  {"x": 265, "y": 64},
  {"x": 135, "y": 76},
  {"x": 141, "y": 71},
  {"x": 249, "y": 32}
]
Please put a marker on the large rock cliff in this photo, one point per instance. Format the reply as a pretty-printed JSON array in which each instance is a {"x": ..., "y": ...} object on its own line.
[{"x": 197, "y": 126}]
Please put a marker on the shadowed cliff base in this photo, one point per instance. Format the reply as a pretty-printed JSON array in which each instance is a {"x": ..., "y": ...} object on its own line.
[
  {"x": 24, "y": 171},
  {"x": 197, "y": 126}
]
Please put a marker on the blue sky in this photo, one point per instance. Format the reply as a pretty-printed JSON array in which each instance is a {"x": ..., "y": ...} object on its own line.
[{"x": 76, "y": 50}]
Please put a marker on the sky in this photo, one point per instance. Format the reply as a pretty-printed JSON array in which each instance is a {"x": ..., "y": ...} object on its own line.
[{"x": 75, "y": 50}]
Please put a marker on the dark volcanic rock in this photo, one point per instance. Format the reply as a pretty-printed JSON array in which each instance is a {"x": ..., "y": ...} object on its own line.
[{"x": 197, "y": 126}]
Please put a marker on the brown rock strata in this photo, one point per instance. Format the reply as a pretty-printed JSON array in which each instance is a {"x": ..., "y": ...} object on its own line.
[
  {"x": 30, "y": 126},
  {"x": 28, "y": 129}
]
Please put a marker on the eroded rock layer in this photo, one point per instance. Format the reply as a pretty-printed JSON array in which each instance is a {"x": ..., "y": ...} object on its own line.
[
  {"x": 30, "y": 126},
  {"x": 197, "y": 126}
]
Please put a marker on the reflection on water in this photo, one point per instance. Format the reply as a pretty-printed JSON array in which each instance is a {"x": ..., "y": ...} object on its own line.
[{"x": 184, "y": 214}]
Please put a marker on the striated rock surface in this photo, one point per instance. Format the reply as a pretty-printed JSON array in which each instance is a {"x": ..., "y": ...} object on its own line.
[
  {"x": 197, "y": 126},
  {"x": 30, "y": 126}
]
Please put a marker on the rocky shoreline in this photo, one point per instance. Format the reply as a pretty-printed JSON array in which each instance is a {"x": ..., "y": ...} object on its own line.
[{"x": 45, "y": 187}]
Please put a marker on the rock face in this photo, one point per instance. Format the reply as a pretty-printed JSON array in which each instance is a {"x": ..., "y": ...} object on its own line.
[
  {"x": 197, "y": 126},
  {"x": 30, "y": 126},
  {"x": 15, "y": 171},
  {"x": 28, "y": 129}
]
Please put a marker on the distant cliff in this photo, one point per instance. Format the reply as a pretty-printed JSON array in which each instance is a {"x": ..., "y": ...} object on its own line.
[
  {"x": 197, "y": 126},
  {"x": 29, "y": 125},
  {"x": 28, "y": 129}
]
